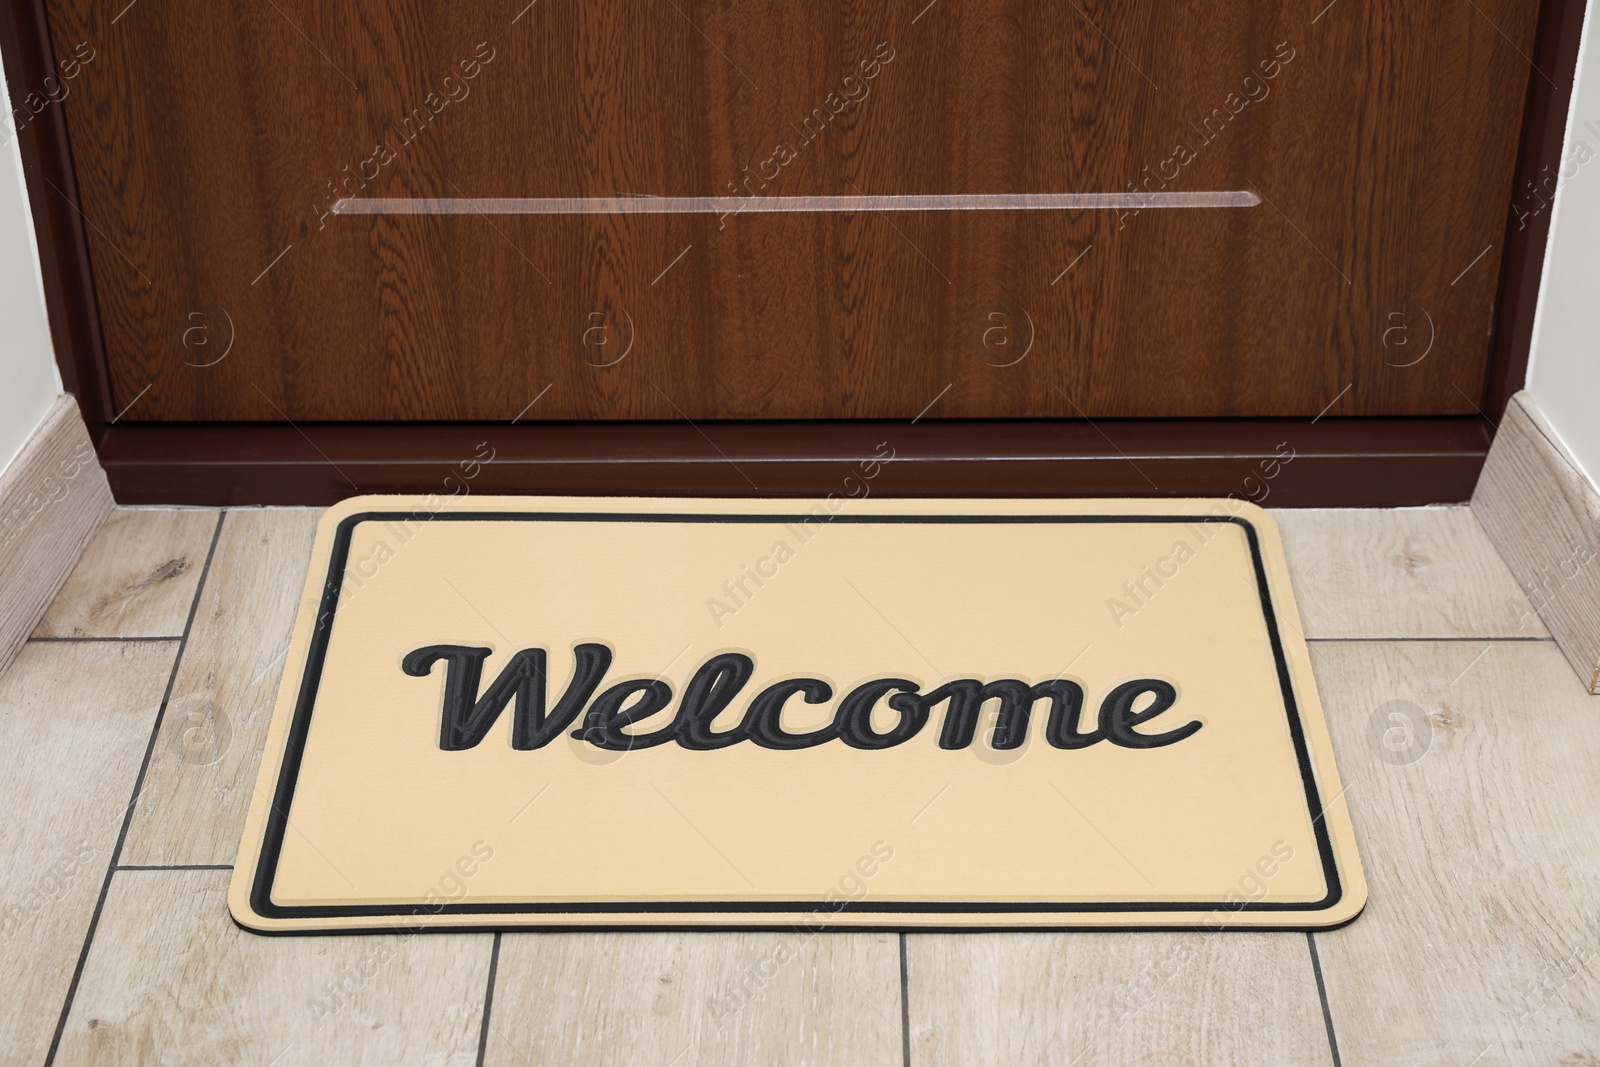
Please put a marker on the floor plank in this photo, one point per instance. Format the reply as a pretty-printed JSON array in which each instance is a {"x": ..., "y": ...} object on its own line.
[
  {"x": 1113, "y": 998},
  {"x": 74, "y": 723},
  {"x": 1407, "y": 572},
  {"x": 171, "y": 980},
  {"x": 137, "y": 577},
  {"x": 697, "y": 998},
  {"x": 1470, "y": 774},
  {"x": 203, "y": 770}
]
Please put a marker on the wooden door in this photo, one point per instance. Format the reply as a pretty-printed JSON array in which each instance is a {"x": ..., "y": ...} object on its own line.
[{"x": 405, "y": 210}]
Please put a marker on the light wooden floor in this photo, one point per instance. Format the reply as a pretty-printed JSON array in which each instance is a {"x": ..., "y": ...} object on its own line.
[{"x": 129, "y": 729}]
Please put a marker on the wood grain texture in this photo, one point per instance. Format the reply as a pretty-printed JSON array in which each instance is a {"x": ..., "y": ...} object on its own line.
[
  {"x": 74, "y": 722},
  {"x": 1543, "y": 515},
  {"x": 137, "y": 577},
  {"x": 203, "y": 769},
  {"x": 53, "y": 497},
  {"x": 1479, "y": 944},
  {"x": 170, "y": 979},
  {"x": 1409, "y": 572},
  {"x": 728, "y": 998},
  {"x": 1113, "y": 998},
  {"x": 210, "y": 140}
]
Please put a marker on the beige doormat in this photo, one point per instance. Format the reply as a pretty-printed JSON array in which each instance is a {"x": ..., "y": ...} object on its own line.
[{"x": 557, "y": 712}]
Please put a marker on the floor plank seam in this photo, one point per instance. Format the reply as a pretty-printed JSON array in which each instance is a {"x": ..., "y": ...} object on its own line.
[
  {"x": 905, "y": 1005},
  {"x": 91, "y": 640},
  {"x": 173, "y": 867},
  {"x": 1436, "y": 640},
  {"x": 488, "y": 1000},
  {"x": 133, "y": 800},
  {"x": 1322, "y": 995}
]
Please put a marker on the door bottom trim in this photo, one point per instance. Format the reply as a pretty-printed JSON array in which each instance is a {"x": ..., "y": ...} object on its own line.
[{"x": 1335, "y": 462}]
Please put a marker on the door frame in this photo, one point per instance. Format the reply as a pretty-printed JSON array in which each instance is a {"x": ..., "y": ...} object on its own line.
[{"x": 1340, "y": 461}]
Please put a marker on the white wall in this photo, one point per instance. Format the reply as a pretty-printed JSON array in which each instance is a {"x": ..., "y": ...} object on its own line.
[
  {"x": 1564, "y": 368},
  {"x": 29, "y": 383}
]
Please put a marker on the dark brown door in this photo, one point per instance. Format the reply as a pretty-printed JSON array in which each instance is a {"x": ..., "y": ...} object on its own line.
[{"x": 423, "y": 210}]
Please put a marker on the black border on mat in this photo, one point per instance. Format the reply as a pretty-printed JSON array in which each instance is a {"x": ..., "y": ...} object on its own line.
[{"x": 288, "y": 771}]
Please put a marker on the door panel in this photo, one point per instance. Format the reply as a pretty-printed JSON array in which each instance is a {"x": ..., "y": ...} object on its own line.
[{"x": 212, "y": 140}]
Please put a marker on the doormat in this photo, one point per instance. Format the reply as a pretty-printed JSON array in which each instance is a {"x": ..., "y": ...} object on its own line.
[{"x": 578, "y": 712}]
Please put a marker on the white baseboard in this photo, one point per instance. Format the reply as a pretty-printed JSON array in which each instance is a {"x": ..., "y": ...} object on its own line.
[
  {"x": 1543, "y": 515},
  {"x": 53, "y": 497}
]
